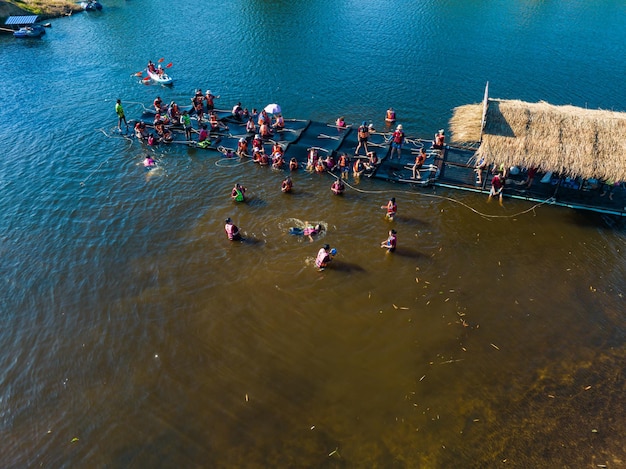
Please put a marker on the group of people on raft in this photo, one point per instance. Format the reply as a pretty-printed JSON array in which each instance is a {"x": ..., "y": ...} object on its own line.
[{"x": 263, "y": 129}]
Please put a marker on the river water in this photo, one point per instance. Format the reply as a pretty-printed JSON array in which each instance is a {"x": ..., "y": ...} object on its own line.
[{"x": 135, "y": 335}]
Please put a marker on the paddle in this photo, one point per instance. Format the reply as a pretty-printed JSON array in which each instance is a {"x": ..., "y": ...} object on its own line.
[
  {"x": 160, "y": 60},
  {"x": 169, "y": 65},
  {"x": 138, "y": 74}
]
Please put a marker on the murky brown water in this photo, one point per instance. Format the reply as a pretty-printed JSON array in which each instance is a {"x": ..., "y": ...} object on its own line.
[{"x": 135, "y": 335}]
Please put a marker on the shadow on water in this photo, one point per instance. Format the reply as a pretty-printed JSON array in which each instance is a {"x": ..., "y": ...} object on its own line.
[
  {"x": 342, "y": 266},
  {"x": 409, "y": 253},
  {"x": 596, "y": 220},
  {"x": 413, "y": 222}
]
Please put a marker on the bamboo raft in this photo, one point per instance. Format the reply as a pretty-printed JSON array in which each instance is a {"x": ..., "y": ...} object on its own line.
[{"x": 452, "y": 167}]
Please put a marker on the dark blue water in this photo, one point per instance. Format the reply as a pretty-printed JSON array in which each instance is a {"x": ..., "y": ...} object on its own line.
[{"x": 135, "y": 335}]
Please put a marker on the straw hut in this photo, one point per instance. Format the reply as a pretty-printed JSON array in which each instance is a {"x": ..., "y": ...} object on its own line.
[{"x": 568, "y": 140}]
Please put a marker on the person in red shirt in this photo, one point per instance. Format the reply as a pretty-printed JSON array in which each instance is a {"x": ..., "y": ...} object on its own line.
[
  {"x": 497, "y": 184},
  {"x": 390, "y": 242}
]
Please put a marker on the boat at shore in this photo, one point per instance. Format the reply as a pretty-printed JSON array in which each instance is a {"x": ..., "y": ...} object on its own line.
[
  {"x": 91, "y": 5},
  {"x": 35, "y": 31}
]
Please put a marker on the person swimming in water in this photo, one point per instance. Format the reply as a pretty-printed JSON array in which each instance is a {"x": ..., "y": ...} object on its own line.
[
  {"x": 309, "y": 230},
  {"x": 149, "y": 162}
]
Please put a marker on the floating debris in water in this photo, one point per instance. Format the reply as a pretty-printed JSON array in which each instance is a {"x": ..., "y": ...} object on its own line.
[
  {"x": 74, "y": 440},
  {"x": 495, "y": 346},
  {"x": 335, "y": 451}
]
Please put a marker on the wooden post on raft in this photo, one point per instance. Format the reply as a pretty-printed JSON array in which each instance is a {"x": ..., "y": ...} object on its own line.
[{"x": 483, "y": 120}]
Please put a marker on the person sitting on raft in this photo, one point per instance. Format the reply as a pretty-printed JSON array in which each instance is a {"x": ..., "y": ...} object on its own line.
[
  {"x": 238, "y": 193},
  {"x": 341, "y": 123},
  {"x": 151, "y": 66},
  {"x": 158, "y": 105},
  {"x": 372, "y": 161},
  {"x": 203, "y": 135},
  {"x": 324, "y": 256},
  {"x": 174, "y": 112},
  {"x": 140, "y": 131},
  {"x": 157, "y": 119},
  {"x": 286, "y": 185},
  {"x": 391, "y": 208},
  {"x": 419, "y": 162},
  {"x": 237, "y": 111},
  {"x": 209, "y": 98},
  {"x": 390, "y": 242},
  {"x": 264, "y": 119},
  {"x": 265, "y": 131},
  {"x": 358, "y": 169},
  {"x": 251, "y": 126},
  {"x": 279, "y": 124},
  {"x": 439, "y": 140},
  {"x": 293, "y": 164},
  {"x": 338, "y": 187},
  {"x": 231, "y": 230},
  {"x": 242, "y": 148},
  {"x": 216, "y": 125},
  {"x": 164, "y": 134},
  {"x": 311, "y": 159}
]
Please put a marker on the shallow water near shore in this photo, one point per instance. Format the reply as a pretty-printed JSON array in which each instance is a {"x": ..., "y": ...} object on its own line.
[{"x": 135, "y": 335}]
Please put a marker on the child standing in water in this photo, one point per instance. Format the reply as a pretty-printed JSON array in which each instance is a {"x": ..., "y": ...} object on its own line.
[
  {"x": 391, "y": 208},
  {"x": 390, "y": 242}
]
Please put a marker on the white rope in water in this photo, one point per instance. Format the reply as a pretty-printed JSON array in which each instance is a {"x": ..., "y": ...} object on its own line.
[
  {"x": 126, "y": 137},
  {"x": 441, "y": 197}
]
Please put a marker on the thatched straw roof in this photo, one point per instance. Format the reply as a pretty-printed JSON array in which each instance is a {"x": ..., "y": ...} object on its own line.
[{"x": 566, "y": 139}]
